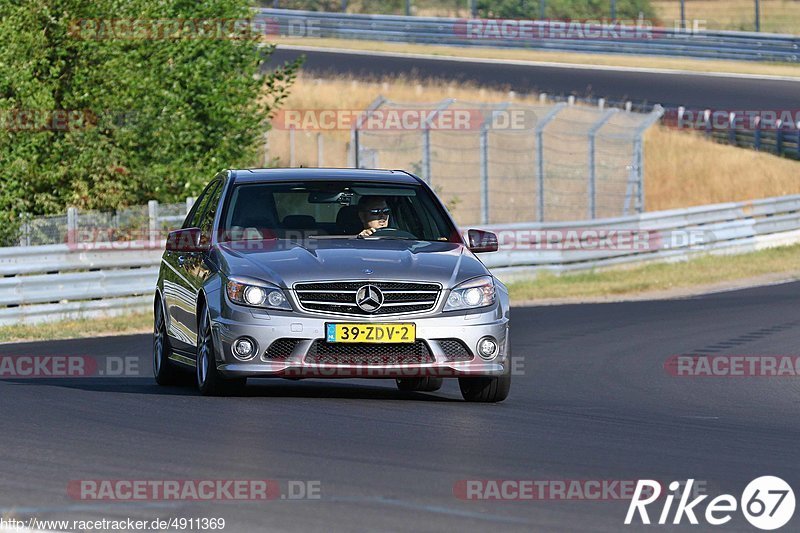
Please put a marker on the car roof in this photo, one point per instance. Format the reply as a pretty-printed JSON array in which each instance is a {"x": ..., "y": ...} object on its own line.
[{"x": 255, "y": 175}]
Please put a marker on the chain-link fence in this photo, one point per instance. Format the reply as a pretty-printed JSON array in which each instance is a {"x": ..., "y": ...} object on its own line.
[
  {"x": 776, "y": 16},
  {"x": 514, "y": 162},
  {"x": 136, "y": 223}
]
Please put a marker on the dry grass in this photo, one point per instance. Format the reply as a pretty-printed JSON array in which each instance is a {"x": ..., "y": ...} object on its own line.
[
  {"x": 621, "y": 60},
  {"x": 684, "y": 169},
  {"x": 681, "y": 168},
  {"x": 777, "y": 16}
]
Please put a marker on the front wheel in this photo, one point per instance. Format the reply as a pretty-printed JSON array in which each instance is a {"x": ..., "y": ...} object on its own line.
[
  {"x": 485, "y": 389},
  {"x": 210, "y": 382}
]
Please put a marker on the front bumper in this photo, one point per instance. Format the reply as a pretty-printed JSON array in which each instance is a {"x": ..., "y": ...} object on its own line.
[{"x": 266, "y": 327}]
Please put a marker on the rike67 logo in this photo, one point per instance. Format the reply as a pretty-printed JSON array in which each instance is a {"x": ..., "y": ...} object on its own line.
[{"x": 767, "y": 503}]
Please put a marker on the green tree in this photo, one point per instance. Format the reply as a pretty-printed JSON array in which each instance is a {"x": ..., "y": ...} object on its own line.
[{"x": 150, "y": 115}]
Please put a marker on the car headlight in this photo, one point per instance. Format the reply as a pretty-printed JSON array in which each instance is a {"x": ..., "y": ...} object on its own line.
[
  {"x": 477, "y": 292},
  {"x": 265, "y": 296}
]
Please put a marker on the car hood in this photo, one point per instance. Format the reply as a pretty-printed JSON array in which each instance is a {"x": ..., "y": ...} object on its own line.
[{"x": 286, "y": 262}]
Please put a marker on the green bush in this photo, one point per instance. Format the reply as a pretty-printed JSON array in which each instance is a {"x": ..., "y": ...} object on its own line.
[
  {"x": 564, "y": 9},
  {"x": 153, "y": 118}
]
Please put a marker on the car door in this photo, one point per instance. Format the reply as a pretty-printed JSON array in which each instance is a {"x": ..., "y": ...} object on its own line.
[
  {"x": 180, "y": 293},
  {"x": 197, "y": 267}
]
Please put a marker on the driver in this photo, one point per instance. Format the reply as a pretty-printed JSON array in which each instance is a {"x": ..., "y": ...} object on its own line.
[{"x": 374, "y": 214}]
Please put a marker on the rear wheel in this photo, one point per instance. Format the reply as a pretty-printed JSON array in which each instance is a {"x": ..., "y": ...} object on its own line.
[
  {"x": 426, "y": 384},
  {"x": 210, "y": 381},
  {"x": 485, "y": 389},
  {"x": 163, "y": 369}
]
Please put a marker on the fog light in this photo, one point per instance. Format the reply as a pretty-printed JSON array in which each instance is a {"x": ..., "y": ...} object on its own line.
[
  {"x": 487, "y": 347},
  {"x": 244, "y": 348}
]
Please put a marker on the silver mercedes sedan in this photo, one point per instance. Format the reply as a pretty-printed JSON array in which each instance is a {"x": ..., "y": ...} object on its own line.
[{"x": 329, "y": 273}]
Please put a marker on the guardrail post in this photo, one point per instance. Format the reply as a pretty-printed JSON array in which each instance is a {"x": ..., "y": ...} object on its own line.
[
  {"x": 539, "y": 132},
  {"x": 757, "y": 134},
  {"x": 152, "y": 215},
  {"x": 731, "y": 129},
  {"x": 797, "y": 125},
  {"x": 320, "y": 149},
  {"x": 72, "y": 225},
  {"x": 779, "y": 136},
  {"x": 606, "y": 116}
]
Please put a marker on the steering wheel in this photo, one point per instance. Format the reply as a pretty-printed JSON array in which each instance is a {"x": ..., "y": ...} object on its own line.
[{"x": 393, "y": 232}]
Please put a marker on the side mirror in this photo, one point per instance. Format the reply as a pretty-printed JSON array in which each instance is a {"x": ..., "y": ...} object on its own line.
[
  {"x": 185, "y": 240},
  {"x": 482, "y": 241}
]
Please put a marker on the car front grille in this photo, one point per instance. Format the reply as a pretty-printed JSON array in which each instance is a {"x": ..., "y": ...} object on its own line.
[
  {"x": 339, "y": 297},
  {"x": 455, "y": 350},
  {"x": 333, "y": 353},
  {"x": 280, "y": 349}
]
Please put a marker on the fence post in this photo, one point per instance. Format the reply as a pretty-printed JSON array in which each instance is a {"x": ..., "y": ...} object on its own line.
[
  {"x": 426, "y": 154},
  {"x": 539, "y": 132},
  {"x": 683, "y": 14},
  {"x": 758, "y": 15},
  {"x": 613, "y": 10},
  {"x": 355, "y": 142},
  {"x": 606, "y": 116},
  {"x": 731, "y": 129},
  {"x": 320, "y": 149},
  {"x": 189, "y": 203},
  {"x": 266, "y": 149},
  {"x": 152, "y": 215},
  {"x": 779, "y": 136},
  {"x": 484, "y": 157},
  {"x": 426, "y": 140},
  {"x": 72, "y": 225},
  {"x": 291, "y": 146}
]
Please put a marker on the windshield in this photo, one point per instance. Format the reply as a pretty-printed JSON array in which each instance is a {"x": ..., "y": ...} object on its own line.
[{"x": 340, "y": 209}]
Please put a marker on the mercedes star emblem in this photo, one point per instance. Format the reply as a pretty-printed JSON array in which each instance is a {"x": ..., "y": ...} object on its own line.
[{"x": 369, "y": 298}]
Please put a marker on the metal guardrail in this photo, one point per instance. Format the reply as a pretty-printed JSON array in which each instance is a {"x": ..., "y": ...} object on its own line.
[
  {"x": 543, "y": 34},
  {"x": 46, "y": 283}
]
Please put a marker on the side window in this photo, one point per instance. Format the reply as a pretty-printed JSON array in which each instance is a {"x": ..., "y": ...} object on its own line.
[
  {"x": 206, "y": 221},
  {"x": 193, "y": 219}
]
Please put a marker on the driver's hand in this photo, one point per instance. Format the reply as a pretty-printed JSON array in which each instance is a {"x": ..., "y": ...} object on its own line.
[{"x": 367, "y": 232}]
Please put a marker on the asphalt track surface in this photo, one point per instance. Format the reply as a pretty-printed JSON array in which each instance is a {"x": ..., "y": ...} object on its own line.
[
  {"x": 594, "y": 402},
  {"x": 695, "y": 91}
]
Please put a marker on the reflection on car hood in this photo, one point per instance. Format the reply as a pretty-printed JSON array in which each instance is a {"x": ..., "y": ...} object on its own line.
[{"x": 286, "y": 262}]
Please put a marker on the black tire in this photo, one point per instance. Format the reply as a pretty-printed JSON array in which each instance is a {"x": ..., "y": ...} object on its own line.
[
  {"x": 164, "y": 370},
  {"x": 426, "y": 384},
  {"x": 210, "y": 382},
  {"x": 487, "y": 389}
]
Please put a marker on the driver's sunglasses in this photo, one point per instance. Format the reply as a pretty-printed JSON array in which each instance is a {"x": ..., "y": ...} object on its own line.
[{"x": 385, "y": 211}]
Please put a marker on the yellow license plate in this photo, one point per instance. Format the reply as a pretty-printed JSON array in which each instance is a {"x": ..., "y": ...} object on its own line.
[{"x": 378, "y": 333}]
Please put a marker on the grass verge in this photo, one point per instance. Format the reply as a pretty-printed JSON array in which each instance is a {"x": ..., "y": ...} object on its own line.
[
  {"x": 74, "y": 329},
  {"x": 610, "y": 60},
  {"x": 661, "y": 277}
]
